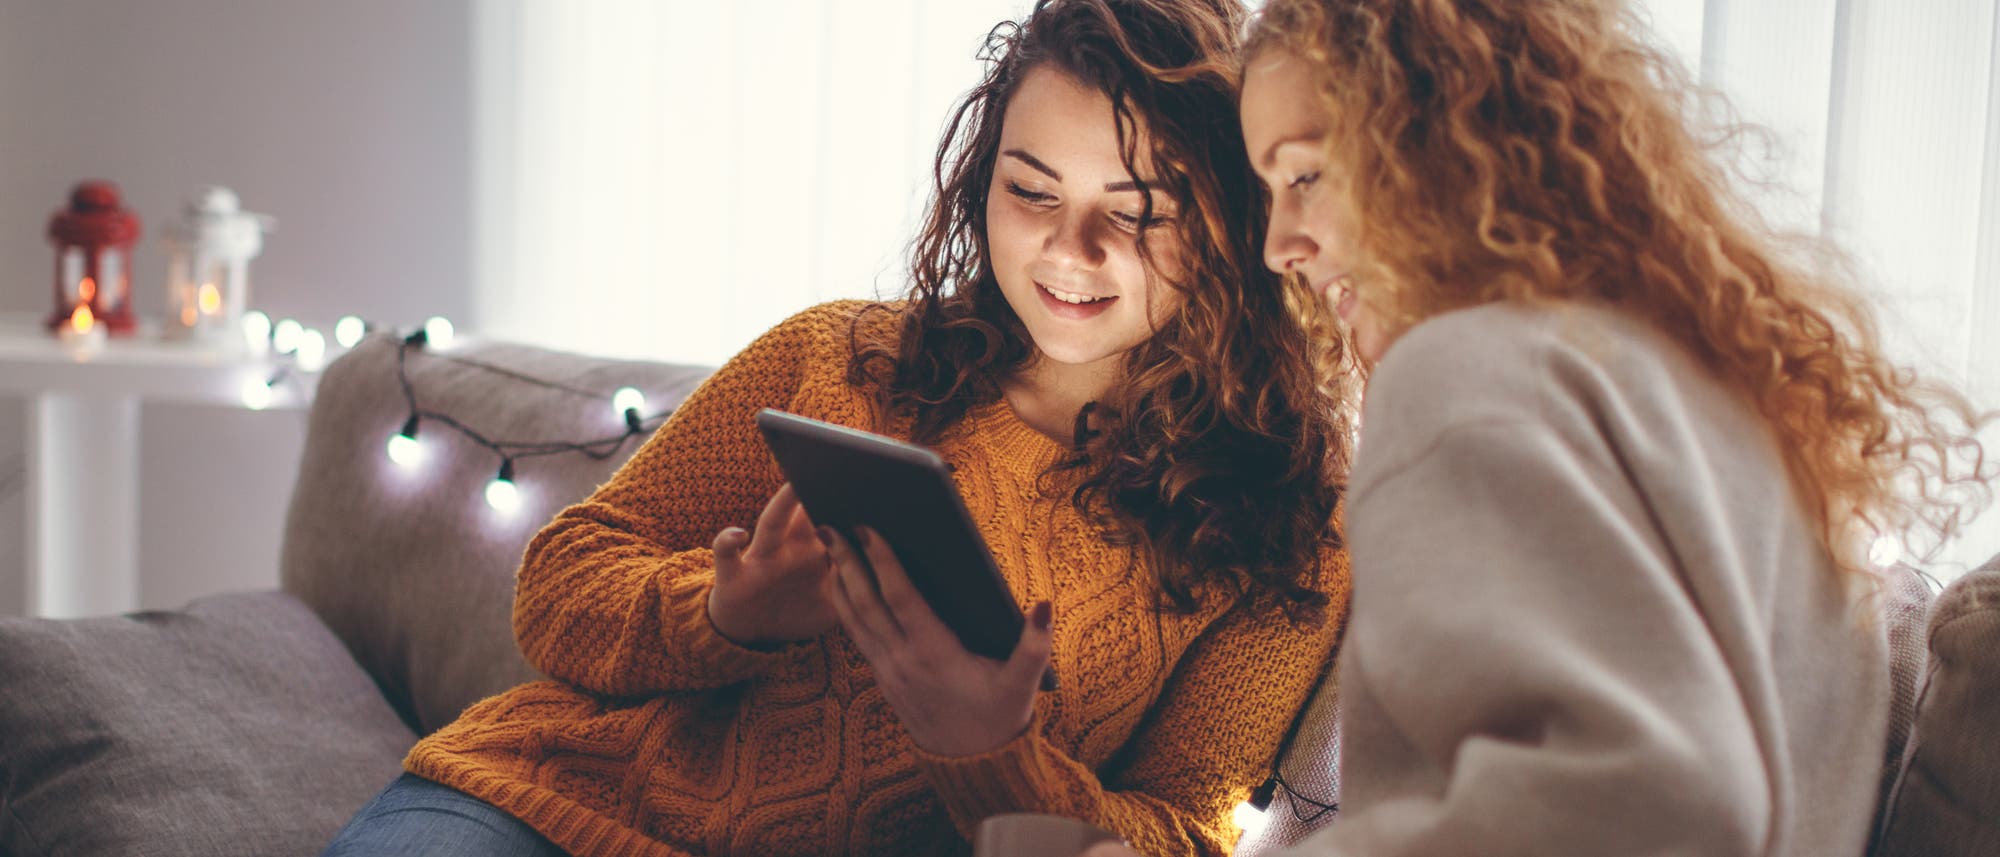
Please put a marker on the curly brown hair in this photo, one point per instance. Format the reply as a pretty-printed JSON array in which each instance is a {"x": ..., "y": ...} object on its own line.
[
  {"x": 1217, "y": 455},
  {"x": 1537, "y": 150}
]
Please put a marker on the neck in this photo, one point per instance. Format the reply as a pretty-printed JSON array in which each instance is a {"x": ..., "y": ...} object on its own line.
[{"x": 1047, "y": 395}]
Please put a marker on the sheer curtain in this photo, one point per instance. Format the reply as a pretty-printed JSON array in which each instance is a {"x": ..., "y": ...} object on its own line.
[
  {"x": 667, "y": 180},
  {"x": 1886, "y": 115}
]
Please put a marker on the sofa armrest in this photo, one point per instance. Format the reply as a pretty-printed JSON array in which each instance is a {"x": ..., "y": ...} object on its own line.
[
  {"x": 1947, "y": 803},
  {"x": 409, "y": 566}
]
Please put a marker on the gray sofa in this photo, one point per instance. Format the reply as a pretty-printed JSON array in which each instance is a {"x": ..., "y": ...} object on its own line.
[{"x": 256, "y": 723}]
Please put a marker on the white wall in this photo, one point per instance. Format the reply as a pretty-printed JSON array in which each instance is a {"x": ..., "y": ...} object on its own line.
[{"x": 349, "y": 121}]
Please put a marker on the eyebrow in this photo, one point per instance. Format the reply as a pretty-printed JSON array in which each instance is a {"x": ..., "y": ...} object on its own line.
[{"x": 1045, "y": 169}]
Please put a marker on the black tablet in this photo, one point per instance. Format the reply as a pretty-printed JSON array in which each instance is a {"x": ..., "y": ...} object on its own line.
[{"x": 847, "y": 478}]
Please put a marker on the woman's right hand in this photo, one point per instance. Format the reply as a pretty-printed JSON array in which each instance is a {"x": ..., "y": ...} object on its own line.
[{"x": 768, "y": 584}]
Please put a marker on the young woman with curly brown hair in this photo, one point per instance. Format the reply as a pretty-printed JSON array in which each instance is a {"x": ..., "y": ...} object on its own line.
[
  {"x": 1623, "y": 448},
  {"x": 1130, "y": 404}
]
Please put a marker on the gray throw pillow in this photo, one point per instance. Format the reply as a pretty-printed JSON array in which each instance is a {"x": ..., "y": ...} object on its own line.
[
  {"x": 1947, "y": 803},
  {"x": 239, "y": 725}
]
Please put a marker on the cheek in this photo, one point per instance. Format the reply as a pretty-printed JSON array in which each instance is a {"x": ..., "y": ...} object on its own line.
[
  {"x": 1009, "y": 235},
  {"x": 1162, "y": 300},
  {"x": 1370, "y": 337},
  {"x": 1329, "y": 224}
]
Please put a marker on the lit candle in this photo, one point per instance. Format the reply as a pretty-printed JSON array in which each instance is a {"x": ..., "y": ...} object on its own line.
[{"x": 83, "y": 335}]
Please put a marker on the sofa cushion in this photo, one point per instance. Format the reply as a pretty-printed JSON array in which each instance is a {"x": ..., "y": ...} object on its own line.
[
  {"x": 238, "y": 725},
  {"x": 1948, "y": 800},
  {"x": 410, "y": 567}
]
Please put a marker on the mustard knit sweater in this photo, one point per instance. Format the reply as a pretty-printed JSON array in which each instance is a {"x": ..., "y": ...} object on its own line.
[{"x": 658, "y": 736}]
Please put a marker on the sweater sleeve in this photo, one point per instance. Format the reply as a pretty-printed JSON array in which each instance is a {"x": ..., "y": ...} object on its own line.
[
  {"x": 613, "y": 594},
  {"x": 1525, "y": 673},
  {"x": 1206, "y": 743}
]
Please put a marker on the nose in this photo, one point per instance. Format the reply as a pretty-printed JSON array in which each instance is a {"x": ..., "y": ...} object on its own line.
[
  {"x": 1075, "y": 242},
  {"x": 1286, "y": 244}
]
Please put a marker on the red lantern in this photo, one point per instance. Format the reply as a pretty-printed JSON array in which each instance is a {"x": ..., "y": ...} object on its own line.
[{"x": 93, "y": 238}]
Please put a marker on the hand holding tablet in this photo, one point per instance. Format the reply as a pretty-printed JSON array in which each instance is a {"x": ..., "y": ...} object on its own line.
[{"x": 848, "y": 479}]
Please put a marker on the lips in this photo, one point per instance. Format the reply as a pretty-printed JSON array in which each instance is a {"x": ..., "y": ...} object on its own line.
[
  {"x": 1339, "y": 290},
  {"x": 1072, "y": 308}
]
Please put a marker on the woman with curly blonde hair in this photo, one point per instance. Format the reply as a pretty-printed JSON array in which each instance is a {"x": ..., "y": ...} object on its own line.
[{"x": 1623, "y": 447}]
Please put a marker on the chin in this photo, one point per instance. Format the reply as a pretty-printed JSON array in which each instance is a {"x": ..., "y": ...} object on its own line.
[{"x": 1074, "y": 351}]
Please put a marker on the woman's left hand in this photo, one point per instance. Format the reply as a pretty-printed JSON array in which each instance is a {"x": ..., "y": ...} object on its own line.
[{"x": 952, "y": 702}]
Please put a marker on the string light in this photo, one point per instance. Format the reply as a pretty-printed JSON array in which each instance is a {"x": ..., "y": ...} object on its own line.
[
  {"x": 501, "y": 493},
  {"x": 627, "y": 399},
  {"x": 257, "y": 331},
  {"x": 403, "y": 446},
  {"x": 285, "y": 336},
  {"x": 311, "y": 351},
  {"x": 258, "y": 393},
  {"x": 439, "y": 332},
  {"x": 349, "y": 331},
  {"x": 1250, "y": 819}
]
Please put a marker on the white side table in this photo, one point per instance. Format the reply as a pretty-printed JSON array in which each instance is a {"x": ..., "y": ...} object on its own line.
[{"x": 83, "y": 449}]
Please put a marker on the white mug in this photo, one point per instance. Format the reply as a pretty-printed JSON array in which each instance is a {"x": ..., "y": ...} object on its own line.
[{"x": 1034, "y": 835}]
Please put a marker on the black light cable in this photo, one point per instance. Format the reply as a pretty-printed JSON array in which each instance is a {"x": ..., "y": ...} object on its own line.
[{"x": 502, "y": 493}]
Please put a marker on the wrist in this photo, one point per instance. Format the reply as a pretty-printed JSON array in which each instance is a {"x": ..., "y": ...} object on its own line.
[
  {"x": 719, "y": 620},
  {"x": 954, "y": 744}
]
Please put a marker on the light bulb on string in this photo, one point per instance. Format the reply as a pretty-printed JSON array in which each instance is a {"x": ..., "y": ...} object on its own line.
[
  {"x": 257, "y": 331},
  {"x": 501, "y": 493},
  {"x": 438, "y": 332},
  {"x": 258, "y": 393},
  {"x": 629, "y": 399},
  {"x": 285, "y": 335},
  {"x": 403, "y": 446},
  {"x": 311, "y": 350},
  {"x": 1250, "y": 819},
  {"x": 349, "y": 331}
]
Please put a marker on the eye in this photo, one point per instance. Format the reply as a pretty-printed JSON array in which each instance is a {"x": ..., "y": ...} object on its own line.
[
  {"x": 1304, "y": 181},
  {"x": 1129, "y": 220},
  {"x": 1031, "y": 197}
]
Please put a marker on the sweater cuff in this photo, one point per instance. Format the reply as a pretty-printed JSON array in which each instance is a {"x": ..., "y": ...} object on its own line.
[
  {"x": 1013, "y": 777},
  {"x": 690, "y": 632}
]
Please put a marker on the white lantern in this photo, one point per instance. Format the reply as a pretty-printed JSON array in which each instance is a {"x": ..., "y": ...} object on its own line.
[{"x": 208, "y": 279}]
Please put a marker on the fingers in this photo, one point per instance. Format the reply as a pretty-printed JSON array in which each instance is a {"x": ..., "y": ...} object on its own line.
[
  {"x": 799, "y": 526},
  {"x": 729, "y": 545},
  {"x": 835, "y": 590},
  {"x": 857, "y": 588},
  {"x": 1028, "y": 666},
  {"x": 776, "y": 515},
  {"x": 906, "y": 606}
]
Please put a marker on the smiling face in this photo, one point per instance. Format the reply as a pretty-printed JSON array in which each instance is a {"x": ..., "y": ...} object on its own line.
[
  {"x": 1313, "y": 228},
  {"x": 1063, "y": 217}
]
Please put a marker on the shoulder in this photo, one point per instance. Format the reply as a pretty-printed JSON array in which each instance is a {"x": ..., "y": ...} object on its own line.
[
  {"x": 828, "y": 333},
  {"x": 1567, "y": 369},
  {"x": 838, "y": 321}
]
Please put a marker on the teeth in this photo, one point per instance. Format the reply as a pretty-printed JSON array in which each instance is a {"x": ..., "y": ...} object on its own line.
[{"x": 1070, "y": 297}]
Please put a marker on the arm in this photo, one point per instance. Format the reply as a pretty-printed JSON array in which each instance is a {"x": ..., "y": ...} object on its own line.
[
  {"x": 612, "y": 595},
  {"x": 1525, "y": 672},
  {"x": 1206, "y": 743}
]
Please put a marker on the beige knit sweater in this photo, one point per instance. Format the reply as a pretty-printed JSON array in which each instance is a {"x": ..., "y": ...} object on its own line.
[{"x": 1590, "y": 617}]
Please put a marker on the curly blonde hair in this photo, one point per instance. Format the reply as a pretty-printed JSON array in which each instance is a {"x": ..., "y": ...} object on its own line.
[{"x": 1541, "y": 150}]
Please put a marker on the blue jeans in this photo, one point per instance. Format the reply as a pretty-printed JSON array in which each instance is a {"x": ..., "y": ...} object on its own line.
[{"x": 415, "y": 816}]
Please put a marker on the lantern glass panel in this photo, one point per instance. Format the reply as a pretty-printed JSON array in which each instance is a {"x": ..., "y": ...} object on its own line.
[{"x": 72, "y": 274}]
